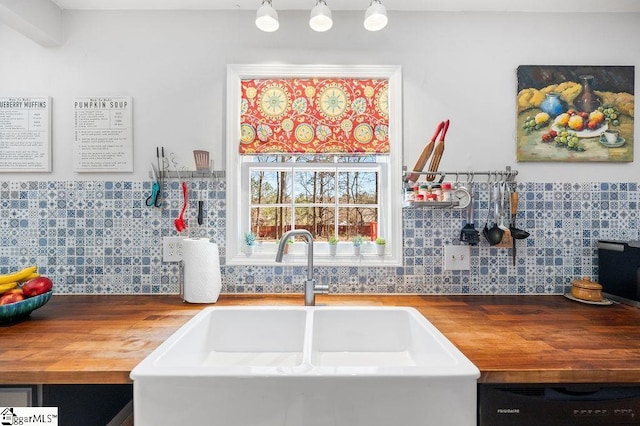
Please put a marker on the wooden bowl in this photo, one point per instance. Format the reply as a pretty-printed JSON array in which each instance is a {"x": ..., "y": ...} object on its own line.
[{"x": 585, "y": 289}]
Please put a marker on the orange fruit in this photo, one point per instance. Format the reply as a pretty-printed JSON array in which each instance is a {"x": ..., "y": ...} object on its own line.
[
  {"x": 562, "y": 120},
  {"x": 576, "y": 122},
  {"x": 597, "y": 117}
]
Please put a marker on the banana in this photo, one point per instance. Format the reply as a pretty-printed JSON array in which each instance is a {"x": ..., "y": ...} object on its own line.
[
  {"x": 30, "y": 277},
  {"x": 6, "y": 287},
  {"x": 17, "y": 276}
]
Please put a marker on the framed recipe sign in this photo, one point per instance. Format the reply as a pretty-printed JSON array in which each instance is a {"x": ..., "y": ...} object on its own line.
[
  {"x": 25, "y": 134},
  {"x": 103, "y": 132}
]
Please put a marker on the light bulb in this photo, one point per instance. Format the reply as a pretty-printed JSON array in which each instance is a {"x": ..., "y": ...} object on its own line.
[
  {"x": 375, "y": 18},
  {"x": 267, "y": 17},
  {"x": 320, "y": 17}
]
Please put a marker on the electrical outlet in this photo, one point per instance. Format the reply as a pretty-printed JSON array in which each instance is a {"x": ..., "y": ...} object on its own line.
[
  {"x": 172, "y": 249},
  {"x": 457, "y": 258}
]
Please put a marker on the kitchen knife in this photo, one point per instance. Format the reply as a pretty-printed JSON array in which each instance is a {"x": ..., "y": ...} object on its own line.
[{"x": 514, "y": 210}]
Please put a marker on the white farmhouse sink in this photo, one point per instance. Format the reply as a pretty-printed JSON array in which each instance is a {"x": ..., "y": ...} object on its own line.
[
  {"x": 235, "y": 340},
  {"x": 306, "y": 366}
]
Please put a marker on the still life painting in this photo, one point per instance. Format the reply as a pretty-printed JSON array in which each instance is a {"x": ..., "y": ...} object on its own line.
[{"x": 575, "y": 113}]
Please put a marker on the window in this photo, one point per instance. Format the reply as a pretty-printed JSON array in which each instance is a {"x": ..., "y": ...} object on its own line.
[
  {"x": 326, "y": 195},
  {"x": 329, "y": 194}
]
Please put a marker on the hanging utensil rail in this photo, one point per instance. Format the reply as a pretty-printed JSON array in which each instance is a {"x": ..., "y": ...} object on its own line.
[
  {"x": 192, "y": 174},
  {"x": 508, "y": 173},
  {"x": 492, "y": 176}
]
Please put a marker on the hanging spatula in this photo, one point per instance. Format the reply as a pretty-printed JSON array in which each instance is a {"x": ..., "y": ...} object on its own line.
[
  {"x": 202, "y": 166},
  {"x": 469, "y": 234},
  {"x": 202, "y": 160},
  {"x": 179, "y": 222}
]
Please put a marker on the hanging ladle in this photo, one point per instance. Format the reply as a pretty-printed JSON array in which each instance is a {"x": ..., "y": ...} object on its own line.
[
  {"x": 485, "y": 230},
  {"x": 503, "y": 212},
  {"x": 494, "y": 234}
]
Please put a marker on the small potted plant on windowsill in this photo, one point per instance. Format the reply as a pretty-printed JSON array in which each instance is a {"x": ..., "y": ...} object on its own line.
[
  {"x": 381, "y": 244},
  {"x": 249, "y": 242},
  {"x": 333, "y": 244},
  {"x": 357, "y": 244}
]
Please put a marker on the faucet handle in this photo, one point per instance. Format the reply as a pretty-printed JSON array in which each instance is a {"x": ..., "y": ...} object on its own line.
[{"x": 321, "y": 288}]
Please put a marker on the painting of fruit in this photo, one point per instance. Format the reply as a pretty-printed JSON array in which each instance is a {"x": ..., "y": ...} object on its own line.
[
  {"x": 564, "y": 111},
  {"x": 576, "y": 122}
]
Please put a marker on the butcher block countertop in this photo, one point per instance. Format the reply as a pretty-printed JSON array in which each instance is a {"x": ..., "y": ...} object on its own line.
[{"x": 511, "y": 339}]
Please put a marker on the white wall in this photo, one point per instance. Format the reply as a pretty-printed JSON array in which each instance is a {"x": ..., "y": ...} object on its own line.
[{"x": 460, "y": 66}]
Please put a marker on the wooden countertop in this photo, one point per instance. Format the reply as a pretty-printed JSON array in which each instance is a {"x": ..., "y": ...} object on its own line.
[{"x": 511, "y": 339}]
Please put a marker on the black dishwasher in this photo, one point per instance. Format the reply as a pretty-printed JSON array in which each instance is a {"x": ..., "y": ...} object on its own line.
[
  {"x": 558, "y": 404},
  {"x": 619, "y": 270}
]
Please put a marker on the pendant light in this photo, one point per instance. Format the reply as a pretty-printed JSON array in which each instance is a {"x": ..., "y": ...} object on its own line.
[
  {"x": 267, "y": 17},
  {"x": 320, "y": 17},
  {"x": 375, "y": 18}
]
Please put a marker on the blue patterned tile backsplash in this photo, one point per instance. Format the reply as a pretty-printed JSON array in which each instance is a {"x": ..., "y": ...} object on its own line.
[{"x": 99, "y": 237}]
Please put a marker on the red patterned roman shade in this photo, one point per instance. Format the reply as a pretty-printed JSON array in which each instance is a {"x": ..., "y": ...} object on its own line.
[{"x": 314, "y": 115}]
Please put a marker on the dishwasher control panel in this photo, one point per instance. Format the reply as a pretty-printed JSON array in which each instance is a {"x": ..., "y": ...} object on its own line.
[{"x": 558, "y": 404}]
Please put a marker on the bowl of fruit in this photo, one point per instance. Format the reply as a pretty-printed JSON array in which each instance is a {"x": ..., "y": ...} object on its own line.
[
  {"x": 587, "y": 125},
  {"x": 22, "y": 292}
]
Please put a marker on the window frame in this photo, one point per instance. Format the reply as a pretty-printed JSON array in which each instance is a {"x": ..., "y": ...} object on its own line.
[
  {"x": 238, "y": 176},
  {"x": 379, "y": 167}
]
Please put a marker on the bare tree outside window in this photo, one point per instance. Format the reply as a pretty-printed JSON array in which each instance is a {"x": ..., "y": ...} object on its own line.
[{"x": 326, "y": 200}]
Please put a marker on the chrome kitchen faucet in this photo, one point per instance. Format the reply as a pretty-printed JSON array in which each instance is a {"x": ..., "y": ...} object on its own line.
[{"x": 310, "y": 288}]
